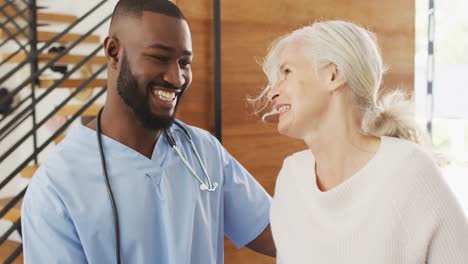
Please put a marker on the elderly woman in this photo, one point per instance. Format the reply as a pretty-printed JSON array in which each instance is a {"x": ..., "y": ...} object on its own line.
[{"x": 365, "y": 191}]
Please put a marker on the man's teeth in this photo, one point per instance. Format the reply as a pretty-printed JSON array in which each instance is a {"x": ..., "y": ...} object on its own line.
[
  {"x": 284, "y": 108},
  {"x": 165, "y": 96}
]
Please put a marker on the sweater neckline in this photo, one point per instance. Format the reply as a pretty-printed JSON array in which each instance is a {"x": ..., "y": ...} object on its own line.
[{"x": 345, "y": 193}]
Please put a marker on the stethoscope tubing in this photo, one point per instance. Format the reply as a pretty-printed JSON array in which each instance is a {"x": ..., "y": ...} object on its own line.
[{"x": 204, "y": 187}]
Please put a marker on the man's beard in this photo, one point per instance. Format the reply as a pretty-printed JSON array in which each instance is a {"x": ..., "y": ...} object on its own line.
[{"x": 127, "y": 87}]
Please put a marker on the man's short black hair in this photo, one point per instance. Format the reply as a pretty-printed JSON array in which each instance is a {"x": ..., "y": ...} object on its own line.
[{"x": 135, "y": 8}]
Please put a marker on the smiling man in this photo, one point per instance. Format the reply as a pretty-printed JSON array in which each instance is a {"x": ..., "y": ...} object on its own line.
[{"x": 136, "y": 185}]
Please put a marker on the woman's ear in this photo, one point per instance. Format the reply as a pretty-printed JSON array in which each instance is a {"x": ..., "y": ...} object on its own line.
[
  {"x": 112, "y": 50},
  {"x": 336, "y": 78}
]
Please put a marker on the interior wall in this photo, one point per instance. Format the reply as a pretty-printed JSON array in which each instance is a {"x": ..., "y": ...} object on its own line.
[
  {"x": 197, "y": 107},
  {"x": 248, "y": 28}
]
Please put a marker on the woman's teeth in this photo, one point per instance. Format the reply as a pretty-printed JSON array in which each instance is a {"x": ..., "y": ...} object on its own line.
[
  {"x": 165, "y": 96},
  {"x": 284, "y": 108}
]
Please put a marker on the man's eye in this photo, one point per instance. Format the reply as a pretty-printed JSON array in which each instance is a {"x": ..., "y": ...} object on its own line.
[
  {"x": 185, "y": 63},
  {"x": 160, "y": 58}
]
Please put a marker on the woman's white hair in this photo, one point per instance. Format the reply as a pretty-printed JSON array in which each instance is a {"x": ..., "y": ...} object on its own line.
[{"x": 355, "y": 52}]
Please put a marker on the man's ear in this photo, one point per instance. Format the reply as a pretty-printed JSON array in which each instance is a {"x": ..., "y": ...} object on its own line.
[
  {"x": 112, "y": 50},
  {"x": 336, "y": 78}
]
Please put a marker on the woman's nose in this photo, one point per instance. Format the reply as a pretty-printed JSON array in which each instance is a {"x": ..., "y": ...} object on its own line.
[{"x": 273, "y": 92}]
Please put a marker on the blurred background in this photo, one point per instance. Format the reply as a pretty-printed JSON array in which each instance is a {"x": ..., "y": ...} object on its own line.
[{"x": 53, "y": 74}]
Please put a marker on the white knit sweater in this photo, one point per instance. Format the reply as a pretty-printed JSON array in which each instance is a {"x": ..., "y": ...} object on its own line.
[{"x": 397, "y": 209}]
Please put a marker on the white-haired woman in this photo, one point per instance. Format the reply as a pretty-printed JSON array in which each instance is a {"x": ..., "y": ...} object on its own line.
[{"x": 365, "y": 191}]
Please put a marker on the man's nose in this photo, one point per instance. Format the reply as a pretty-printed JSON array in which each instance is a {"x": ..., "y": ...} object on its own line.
[{"x": 174, "y": 75}]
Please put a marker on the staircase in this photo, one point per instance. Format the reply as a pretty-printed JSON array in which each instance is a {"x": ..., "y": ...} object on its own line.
[{"x": 48, "y": 86}]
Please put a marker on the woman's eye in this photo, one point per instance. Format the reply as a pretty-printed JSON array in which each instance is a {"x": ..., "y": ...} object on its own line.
[{"x": 286, "y": 72}]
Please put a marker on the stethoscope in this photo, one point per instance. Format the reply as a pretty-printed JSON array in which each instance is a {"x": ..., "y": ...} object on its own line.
[{"x": 209, "y": 186}]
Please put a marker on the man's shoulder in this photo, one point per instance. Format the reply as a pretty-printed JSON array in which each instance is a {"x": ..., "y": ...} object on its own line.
[
  {"x": 193, "y": 130},
  {"x": 66, "y": 154},
  {"x": 54, "y": 169},
  {"x": 43, "y": 189},
  {"x": 197, "y": 134},
  {"x": 68, "y": 158}
]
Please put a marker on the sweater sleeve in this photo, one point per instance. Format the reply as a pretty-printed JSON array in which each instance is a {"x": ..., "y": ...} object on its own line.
[
  {"x": 435, "y": 211},
  {"x": 449, "y": 237},
  {"x": 449, "y": 243}
]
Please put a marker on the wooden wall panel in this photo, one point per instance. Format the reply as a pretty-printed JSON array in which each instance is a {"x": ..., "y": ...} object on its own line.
[
  {"x": 197, "y": 106},
  {"x": 248, "y": 28},
  {"x": 248, "y": 31}
]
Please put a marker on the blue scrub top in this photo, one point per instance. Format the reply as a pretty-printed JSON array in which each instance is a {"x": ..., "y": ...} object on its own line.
[{"x": 164, "y": 216}]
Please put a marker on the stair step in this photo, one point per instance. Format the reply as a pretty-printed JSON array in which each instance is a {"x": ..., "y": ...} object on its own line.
[
  {"x": 67, "y": 38},
  {"x": 10, "y": 11},
  {"x": 73, "y": 83},
  {"x": 67, "y": 59},
  {"x": 58, "y": 139},
  {"x": 7, "y": 248},
  {"x": 55, "y": 17},
  {"x": 43, "y": 17},
  {"x": 29, "y": 171},
  {"x": 70, "y": 110},
  {"x": 44, "y": 36},
  {"x": 12, "y": 215}
]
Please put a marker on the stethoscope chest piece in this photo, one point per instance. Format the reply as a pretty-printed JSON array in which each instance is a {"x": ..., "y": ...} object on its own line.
[{"x": 205, "y": 187}]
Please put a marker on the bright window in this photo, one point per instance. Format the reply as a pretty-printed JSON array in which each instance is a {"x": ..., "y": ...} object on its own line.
[{"x": 450, "y": 86}]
